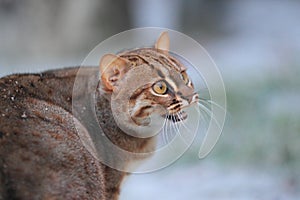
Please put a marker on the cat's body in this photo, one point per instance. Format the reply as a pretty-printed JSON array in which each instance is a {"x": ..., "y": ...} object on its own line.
[
  {"x": 39, "y": 145},
  {"x": 41, "y": 154}
]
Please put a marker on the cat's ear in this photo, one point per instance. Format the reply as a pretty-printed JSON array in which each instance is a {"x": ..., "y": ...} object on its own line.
[
  {"x": 163, "y": 42},
  {"x": 112, "y": 69}
]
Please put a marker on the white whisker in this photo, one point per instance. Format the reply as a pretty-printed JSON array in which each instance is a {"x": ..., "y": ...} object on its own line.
[
  {"x": 164, "y": 131},
  {"x": 171, "y": 130},
  {"x": 169, "y": 125},
  {"x": 209, "y": 113},
  {"x": 206, "y": 117},
  {"x": 210, "y": 102},
  {"x": 175, "y": 124},
  {"x": 181, "y": 123}
]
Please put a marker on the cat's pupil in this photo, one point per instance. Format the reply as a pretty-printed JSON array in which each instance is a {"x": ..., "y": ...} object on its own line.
[{"x": 160, "y": 86}]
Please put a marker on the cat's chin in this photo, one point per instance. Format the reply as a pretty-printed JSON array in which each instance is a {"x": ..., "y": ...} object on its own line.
[{"x": 176, "y": 117}]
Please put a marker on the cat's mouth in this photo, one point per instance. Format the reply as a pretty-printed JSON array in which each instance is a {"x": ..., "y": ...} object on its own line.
[{"x": 176, "y": 117}]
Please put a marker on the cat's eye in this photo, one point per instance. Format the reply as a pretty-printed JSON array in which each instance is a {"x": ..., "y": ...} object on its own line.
[
  {"x": 160, "y": 87},
  {"x": 185, "y": 77}
]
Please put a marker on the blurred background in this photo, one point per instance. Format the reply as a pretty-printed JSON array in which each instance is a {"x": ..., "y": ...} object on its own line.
[{"x": 255, "y": 44}]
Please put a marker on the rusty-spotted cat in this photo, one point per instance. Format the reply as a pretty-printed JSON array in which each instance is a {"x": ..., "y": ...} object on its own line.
[{"x": 41, "y": 154}]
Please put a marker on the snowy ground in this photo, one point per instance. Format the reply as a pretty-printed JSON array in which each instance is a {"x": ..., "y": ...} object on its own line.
[{"x": 209, "y": 181}]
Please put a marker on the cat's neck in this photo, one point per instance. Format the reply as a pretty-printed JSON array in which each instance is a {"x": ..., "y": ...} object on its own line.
[{"x": 115, "y": 134}]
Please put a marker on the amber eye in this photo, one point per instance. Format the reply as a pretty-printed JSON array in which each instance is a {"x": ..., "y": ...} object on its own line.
[
  {"x": 185, "y": 77},
  {"x": 160, "y": 87}
]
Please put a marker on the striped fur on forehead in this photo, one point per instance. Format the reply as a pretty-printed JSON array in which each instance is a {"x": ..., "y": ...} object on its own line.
[
  {"x": 154, "y": 58},
  {"x": 165, "y": 65}
]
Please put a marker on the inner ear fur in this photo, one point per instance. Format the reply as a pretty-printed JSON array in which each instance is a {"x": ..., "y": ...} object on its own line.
[
  {"x": 163, "y": 42},
  {"x": 112, "y": 69}
]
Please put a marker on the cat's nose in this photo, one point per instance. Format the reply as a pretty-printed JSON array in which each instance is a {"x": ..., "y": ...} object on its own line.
[{"x": 194, "y": 98}]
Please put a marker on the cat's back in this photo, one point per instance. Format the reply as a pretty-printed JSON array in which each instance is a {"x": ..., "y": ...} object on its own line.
[{"x": 41, "y": 155}]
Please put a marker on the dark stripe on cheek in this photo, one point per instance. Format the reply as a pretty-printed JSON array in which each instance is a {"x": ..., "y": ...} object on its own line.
[
  {"x": 137, "y": 93},
  {"x": 142, "y": 112}
]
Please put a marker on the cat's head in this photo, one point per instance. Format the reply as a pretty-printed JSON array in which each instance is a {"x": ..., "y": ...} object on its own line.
[{"x": 150, "y": 80}]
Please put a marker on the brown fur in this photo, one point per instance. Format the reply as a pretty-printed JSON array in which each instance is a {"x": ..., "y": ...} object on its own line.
[{"x": 41, "y": 155}]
